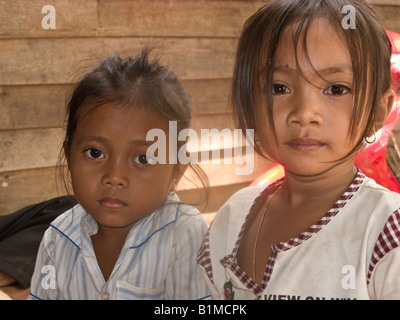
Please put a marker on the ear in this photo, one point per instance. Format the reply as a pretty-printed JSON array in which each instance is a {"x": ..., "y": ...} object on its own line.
[{"x": 385, "y": 107}]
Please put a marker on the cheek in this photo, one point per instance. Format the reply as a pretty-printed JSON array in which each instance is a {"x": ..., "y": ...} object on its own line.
[
  {"x": 164, "y": 177},
  {"x": 149, "y": 191},
  {"x": 339, "y": 127},
  {"x": 266, "y": 133},
  {"x": 82, "y": 180},
  {"x": 81, "y": 186},
  {"x": 156, "y": 182}
]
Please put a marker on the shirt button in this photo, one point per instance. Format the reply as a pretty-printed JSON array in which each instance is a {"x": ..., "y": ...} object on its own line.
[{"x": 104, "y": 295}]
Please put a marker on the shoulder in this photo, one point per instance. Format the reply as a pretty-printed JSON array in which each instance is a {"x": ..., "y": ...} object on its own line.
[
  {"x": 373, "y": 207},
  {"x": 381, "y": 203},
  {"x": 173, "y": 219},
  {"x": 383, "y": 225},
  {"x": 69, "y": 218},
  {"x": 66, "y": 227},
  {"x": 189, "y": 219},
  {"x": 369, "y": 187},
  {"x": 228, "y": 222},
  {"x": 234, "y": 211},
  {"x": 223, "y": 233},
  {"x": 370, "y": 200},
  {"x": 386, "y": 256}
]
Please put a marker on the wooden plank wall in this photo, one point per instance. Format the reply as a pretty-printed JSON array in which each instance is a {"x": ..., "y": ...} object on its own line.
[{"x": 197, "y": 39}]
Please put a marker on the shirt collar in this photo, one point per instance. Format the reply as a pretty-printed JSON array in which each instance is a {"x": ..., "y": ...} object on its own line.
[{"x": 78, "y": 225}]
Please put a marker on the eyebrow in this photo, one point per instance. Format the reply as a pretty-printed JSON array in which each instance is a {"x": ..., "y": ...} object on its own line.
[
  {"x": 104, "y": 140},
  {"x": 86, "y": 139},
  {"x": 325, "y": 71}
]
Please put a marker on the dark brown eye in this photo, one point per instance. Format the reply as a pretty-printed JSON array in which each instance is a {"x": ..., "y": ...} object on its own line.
[
  {"x": 337, "y": 90},
  {"x": 94, "y": 153},
  {"x": 278, "y": 88},
  {"x": 144, "y": 160}
]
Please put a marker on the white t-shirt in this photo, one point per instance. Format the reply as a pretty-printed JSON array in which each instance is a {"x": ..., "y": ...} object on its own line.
[{"x": 353, "y": 252}]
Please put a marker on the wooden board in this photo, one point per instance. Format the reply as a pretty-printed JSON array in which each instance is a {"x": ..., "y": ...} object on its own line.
[
  {"x": 58, "y": 61},
  {"x": 27, "y": 149},
  {"x": 91, "y": 18},
  {"x": 23, "y": 19},
  {"x": 27, "y": 107},
  {"x": 390, "y": 16},
  {"x": 43, "y": 106},
  {"x": 174, "y": 18},
  {"x": 21, "y": 188},
  {"x": 77, "y": 18}
]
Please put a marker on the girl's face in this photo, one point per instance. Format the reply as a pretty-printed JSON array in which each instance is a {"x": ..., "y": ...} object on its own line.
[
  {"x": 311, "y": 113},
  {"x": 110, "y": 176}
]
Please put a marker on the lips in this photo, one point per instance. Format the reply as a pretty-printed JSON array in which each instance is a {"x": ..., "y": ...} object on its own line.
[
  {"x": 113, "y": 203},
  {"x": 305, "y": 144}
]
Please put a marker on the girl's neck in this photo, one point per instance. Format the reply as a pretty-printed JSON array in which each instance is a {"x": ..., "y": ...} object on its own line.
[
  {"x": 328, "y": 185},
  {"x": 112, "y": 235},
  {"x": 107, "y": 245}
]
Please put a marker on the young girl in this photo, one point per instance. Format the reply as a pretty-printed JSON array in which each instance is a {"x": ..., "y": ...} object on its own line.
[
  {"x": 129, "y": 237},
  {"x": 314, "y": 91}
]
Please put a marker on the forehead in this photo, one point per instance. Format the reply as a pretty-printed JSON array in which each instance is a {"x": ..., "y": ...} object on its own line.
[
  {"x": 123, "y": 122},
  {"x": 320, "y": 47}
]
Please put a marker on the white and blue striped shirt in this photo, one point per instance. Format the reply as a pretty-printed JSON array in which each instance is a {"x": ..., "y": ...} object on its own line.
[{"x": 158, "y": 260}]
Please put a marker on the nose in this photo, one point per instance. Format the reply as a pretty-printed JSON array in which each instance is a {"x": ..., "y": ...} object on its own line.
[
  {"x": 115, "y": 174},
  {"x": 305, "y": 110}
]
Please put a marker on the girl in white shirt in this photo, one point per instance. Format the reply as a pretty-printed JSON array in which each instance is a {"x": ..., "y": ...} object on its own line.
[
  {"x": 314, "y": 87},
  {"x": 129, "y": 237}
]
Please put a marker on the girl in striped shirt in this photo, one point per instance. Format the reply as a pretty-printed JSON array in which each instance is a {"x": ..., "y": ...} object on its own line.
[{"x": 129, "y": 237}]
